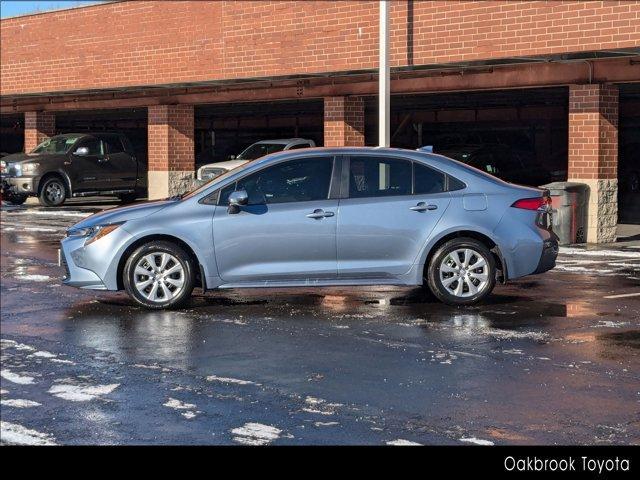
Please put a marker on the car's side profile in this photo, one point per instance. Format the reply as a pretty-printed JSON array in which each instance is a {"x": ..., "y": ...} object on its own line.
[
  {"x": 75, "y": 165},
  {"x": 320, "y": 217}
]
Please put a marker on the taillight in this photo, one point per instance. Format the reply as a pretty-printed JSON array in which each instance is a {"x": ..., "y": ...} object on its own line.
[{"x": 531, "y": 203}]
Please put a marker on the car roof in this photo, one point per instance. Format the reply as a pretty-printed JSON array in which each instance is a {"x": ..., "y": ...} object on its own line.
[{"x": 283, "y": 141}]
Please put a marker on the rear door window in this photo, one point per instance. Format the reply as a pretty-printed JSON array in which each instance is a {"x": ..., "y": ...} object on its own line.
[
  {"x": 428, "y": 180},
  {"x": 379, "y": 177},
  {"x": 94, "y": 145},
  {"x": 113, "y": 144}
]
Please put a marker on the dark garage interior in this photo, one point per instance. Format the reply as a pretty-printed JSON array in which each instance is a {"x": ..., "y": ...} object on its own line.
[
  {"x": 629, "y": 155},
  {"x": 227, "y": 129},
  {"x": 529, "y": 127}
]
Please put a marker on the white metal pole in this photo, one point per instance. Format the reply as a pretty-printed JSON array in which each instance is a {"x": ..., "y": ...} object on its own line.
[{"x": 384, "y": 112}]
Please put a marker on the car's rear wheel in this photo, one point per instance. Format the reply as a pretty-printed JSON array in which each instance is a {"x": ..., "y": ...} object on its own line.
[
  {"x": 159, "y": 275},
  {"x": 462, "y": 272},
  {"x": 53, "y": 192}
]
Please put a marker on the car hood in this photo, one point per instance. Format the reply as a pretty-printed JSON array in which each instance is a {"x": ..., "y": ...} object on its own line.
[
  {"x": 122, "y": 214},
  {"x": 23, "y": 157}
]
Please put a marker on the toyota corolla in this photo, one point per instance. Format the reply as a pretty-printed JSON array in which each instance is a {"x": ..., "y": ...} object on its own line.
[{"x": 320, "y": 217}]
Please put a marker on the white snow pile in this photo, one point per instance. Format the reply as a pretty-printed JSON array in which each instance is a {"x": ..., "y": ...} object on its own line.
[
  {"x": 43, "y": 354},
  {"x": 14, "y": 434},
  {"x": 16, "y": 378},
  {"x": 4, "y": 343},
  {"x": 80, "y": 393},
  {"x": 402, "y": 443},
  {"x": 19, "y": 403},
  {"x": 178, "y": 405},
  {"x": 255, "y": 434},
  {"x": 476, "y": 441},
  {"x": 236, "y": 381},
  {"x": 320, "y": 406},
  {"x": 34, "y": 277}
]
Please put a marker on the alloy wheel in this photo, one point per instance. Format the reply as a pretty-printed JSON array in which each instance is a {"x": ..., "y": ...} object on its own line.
[
  {"x": 159, "y": 277},
  {"x": 464, "y": 272}
]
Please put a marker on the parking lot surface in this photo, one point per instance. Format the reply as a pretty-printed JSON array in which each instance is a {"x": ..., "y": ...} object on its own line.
[{"x": 551, "y": 359}]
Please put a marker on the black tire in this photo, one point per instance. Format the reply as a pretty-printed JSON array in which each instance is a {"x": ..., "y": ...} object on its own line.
[
  {"x": 154, "y": 248},
  {"x": 447, "y": 294},
  {"x": 53, "y": 192},
  {"x": 128, "y": 197},
  {"x": 16, "y": 199}
]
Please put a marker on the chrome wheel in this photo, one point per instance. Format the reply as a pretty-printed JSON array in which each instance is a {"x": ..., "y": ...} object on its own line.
[
  {"x": 159, "y": 277},
  {"x": 54, "y": 191},
  {"x": 464, "y": 272}
]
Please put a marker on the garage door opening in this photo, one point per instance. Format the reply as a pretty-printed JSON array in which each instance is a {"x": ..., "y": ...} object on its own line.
[
  {"x": 629, "y": 155},
  {"x": 222, "y": 131},
  {"x": 11, "y": 134},
  {"x": 518, "y": 135}
]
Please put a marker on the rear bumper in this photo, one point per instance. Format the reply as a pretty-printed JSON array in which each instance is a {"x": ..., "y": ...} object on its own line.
[{"x": 549, "y": 254}]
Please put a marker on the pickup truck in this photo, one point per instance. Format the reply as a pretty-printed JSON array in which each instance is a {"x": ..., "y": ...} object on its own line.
[{"x": 74, "y": 165}]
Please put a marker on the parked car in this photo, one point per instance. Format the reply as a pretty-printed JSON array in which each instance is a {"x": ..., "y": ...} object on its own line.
[
  {"x": 517, "y": 166},
  {"x": 75, "y": 165},
  {"x": 320, "y": 217},
  {"x": 257, "y": 150}
]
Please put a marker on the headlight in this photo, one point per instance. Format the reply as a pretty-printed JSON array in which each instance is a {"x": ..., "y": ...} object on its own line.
[
  {"x": 93, "y": 233},
  {"x": 3, "y": 166},
  {"x": 27, "y": 168}
]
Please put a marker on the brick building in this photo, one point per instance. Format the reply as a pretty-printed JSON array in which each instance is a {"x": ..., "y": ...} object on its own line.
[{"x": 196, "y": 81}]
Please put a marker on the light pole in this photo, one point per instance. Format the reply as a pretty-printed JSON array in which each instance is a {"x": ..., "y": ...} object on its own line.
[{"x": 384, "y": 91}]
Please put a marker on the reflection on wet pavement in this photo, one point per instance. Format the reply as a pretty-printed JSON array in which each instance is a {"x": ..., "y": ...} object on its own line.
[{"x": 545, "y": 360}]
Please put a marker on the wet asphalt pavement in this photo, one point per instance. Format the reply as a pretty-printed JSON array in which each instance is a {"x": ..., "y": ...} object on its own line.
[{"x": 550, "y": 359}]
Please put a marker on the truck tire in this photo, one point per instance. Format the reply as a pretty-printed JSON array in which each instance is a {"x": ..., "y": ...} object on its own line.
[{"x": 53, "y": 192}]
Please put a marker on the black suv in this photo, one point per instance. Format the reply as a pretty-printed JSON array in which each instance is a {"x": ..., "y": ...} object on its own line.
[{"x": 74, "y": 165}]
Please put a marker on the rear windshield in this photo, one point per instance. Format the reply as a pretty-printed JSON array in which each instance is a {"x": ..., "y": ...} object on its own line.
[
  {"x": 258, "y": 150},
  {"x": 57, "y": 144}
]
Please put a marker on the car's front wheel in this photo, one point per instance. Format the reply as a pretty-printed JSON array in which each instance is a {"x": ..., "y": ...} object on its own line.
[
  {"x": 462, "y": 272},
  {"x": 53, "y": 192},
  {"x": 159, "y": 275}
]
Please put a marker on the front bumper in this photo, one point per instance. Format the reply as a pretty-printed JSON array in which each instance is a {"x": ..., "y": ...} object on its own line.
[
  {"x": 20, "y": 185},
  {"x": 549, "y": 254},
  {"x": 92, "y": 266}
]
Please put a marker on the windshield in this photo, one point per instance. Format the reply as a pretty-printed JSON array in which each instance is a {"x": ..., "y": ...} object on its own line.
[
  {"x": 220, "y": 178},
  {"x": 57, "y": 144},
  {"x": 258, "y": 150}
]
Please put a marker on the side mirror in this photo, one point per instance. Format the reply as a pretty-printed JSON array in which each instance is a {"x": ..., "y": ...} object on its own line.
[
  {"x": 81, "y": 151},
  {"x": 236, "y": 199}
]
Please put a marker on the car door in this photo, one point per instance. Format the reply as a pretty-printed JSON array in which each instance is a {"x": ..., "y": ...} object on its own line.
[
  {"x": 88, "y": 170},
  {"x": 387, "y": 218},
  {"x": 286, "y": 232},
  {"x": 119, "y": 163}
]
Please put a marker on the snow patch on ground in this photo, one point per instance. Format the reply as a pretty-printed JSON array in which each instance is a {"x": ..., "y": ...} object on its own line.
[
  {"x": 79, "y": 393},
  {"x": 19, "y": 403},
  {"x": 598, "y": 253},
  {"x": 15, "y": 378},
  {"x": 34, "y": 278},
  {"x": 43, "y": 354},
  {"x": 14, "y": 434},
  {"x": 256, "y": 434},
  {"x": 320, "y": 406},
  {"x": 178, "y": 405},
  {"x": 477, "y": 441},
  {"x": 59, "y": 360},
  {"x": 4, "y": 343},
  {"x": 610, "y": 324},
  {"x": 215, "y": 378},
  {"x": 402, "y": 443},
  {"x": 325, "y": 424}
]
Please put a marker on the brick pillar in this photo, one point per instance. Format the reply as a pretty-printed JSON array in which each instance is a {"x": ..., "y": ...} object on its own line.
[
  {"x": 343, "y": 122},
  {"x": 171, "y": 151},
  {"x": 38, "y": 126},
  {"x": 593, "y": 155}
]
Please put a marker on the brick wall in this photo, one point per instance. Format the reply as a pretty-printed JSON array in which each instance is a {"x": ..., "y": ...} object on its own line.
[
  {"x": 170, "y": 138},
  {"x": 593, "y": 131},
  {"x": 38, "y": 126},
  {"x": 343, "y": 122},
  {"x": 145, "y": 43}
]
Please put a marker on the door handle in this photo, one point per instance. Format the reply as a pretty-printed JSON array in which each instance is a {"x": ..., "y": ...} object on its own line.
[
  {"x": 319, "y": 213},
  {"x": 421, "y": 207},
  {"x": 103, "y": 159}
]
